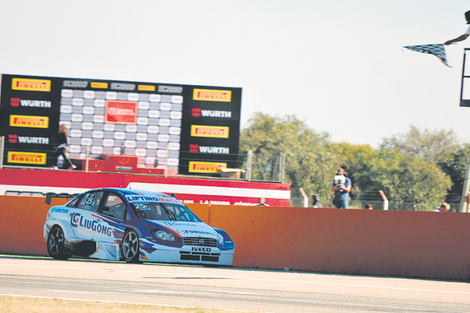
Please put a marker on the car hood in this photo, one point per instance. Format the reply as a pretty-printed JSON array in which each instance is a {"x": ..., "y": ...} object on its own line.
[{"x": 189, "y": 229}]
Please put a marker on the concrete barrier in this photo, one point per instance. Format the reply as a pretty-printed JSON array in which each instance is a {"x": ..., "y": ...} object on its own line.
[{"x": 395, "y": 243}]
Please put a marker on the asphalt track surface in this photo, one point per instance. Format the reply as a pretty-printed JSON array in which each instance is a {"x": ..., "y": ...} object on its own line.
[{"x": 226, "y": 288}]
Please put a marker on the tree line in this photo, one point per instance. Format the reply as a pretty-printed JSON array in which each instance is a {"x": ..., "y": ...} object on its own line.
[{"x": 416, "y": 170}]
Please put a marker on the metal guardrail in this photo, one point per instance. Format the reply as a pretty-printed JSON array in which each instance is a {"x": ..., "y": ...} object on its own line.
[{"x": 278, "y": 174}]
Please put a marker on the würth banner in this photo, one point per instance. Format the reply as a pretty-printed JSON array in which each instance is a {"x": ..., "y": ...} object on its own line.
[{"x": 194, "y": 129}]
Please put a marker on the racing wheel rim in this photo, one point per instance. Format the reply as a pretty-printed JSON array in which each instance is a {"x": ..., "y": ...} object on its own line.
[
  {"x": 55, "y": 243},
  {"x": 130, "y": 247}
]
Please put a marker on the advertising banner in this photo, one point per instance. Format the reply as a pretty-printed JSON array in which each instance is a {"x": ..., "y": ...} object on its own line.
[{"x": 194, "y": 129}]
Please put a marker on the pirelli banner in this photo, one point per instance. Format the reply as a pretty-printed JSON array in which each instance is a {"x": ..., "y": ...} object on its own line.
[{"x": 194, "y": 129}]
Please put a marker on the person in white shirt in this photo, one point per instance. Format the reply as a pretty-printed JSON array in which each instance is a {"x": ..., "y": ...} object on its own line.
[{"x": 465, "y": 35}]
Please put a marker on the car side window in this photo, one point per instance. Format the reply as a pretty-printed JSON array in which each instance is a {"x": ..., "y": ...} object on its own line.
[
  {"x": 114, "y": 206},
  {"x": 73, "y": 202},
  {"x": 91, "y": 201}
]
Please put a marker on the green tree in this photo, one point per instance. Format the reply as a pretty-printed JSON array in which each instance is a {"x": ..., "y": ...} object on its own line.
[
  {"x": 409, "y": 182},
  {"x": 430, "y": 145},
  {"x": 438, "y": 147},
  {"x": 309, "y": 164},
  {"x": 406, "y": 167},
  {"x": 455, "y": 166},
  {"x": 368, "y": 170},
  {"x": 417, "y": 185}
]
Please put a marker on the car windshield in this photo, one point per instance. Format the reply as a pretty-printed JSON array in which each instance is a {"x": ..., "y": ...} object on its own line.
[{"x": 165, "y": 212}]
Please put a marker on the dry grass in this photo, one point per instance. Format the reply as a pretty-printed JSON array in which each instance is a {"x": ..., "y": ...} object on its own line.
[{"x": 45, "y": 305}]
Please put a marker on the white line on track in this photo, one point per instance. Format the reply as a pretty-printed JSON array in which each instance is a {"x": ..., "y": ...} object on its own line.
[{"x": 80, "y": 291}]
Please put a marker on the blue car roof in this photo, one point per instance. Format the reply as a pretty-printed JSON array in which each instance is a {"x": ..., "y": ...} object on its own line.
[{"x": 136, "y": 192}]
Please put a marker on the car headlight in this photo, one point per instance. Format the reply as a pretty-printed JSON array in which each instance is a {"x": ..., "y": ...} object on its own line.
[
  {"x": 164, "y": 235},
  {"x": 220, "y": 239}
]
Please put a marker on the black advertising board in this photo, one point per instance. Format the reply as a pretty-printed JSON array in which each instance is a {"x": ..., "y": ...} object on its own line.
[
  {"x": 211, "y": 130},
  {"x": 195, "y": 129},
  {"x": 29, "y": 119}
]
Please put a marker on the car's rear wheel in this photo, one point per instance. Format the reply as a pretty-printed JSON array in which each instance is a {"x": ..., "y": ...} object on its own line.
[
  {"x": 56, "y": 244},
  {"x": 130, "y": 249}
]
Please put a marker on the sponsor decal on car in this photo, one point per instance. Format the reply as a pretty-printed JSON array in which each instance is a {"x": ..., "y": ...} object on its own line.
[
  {"x": 201, "y": 249},
  {"x": 184, "y": 228},
  {"x": 150, "y": 199},
  {"x": 77, "y": 220},
  {"x": 59, "y": 210}
]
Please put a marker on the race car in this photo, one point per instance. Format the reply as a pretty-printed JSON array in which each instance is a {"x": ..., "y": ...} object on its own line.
[{"x": 134, "y": 226}]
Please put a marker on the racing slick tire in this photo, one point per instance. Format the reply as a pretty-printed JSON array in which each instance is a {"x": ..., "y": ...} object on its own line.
[
  {"x": 130, "y": 247},
  {"x": 56, "y": 244}
]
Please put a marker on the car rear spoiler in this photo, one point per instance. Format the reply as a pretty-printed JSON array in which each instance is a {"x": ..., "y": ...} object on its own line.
[{"x": 51, "y": 195}]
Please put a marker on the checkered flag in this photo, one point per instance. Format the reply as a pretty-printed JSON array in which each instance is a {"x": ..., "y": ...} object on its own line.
[{"x": 435, "y": 49}]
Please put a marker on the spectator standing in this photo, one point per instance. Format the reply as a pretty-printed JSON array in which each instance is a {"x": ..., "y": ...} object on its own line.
[
  {"x": 341, "y": 187},
  {"x": 62, "y": 149},
  {"x": 445, "y": 207},
  {"x": 316, "y": 201},
  {"x": 262, "y": 202},
  {"x": 368, "y": 207},
  {"x": 464, "y": 35}
]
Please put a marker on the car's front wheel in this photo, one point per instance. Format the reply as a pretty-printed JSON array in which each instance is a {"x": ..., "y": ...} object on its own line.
[
  {"x": 56, "y": 244},
  {"x": 130, "y": 247}
]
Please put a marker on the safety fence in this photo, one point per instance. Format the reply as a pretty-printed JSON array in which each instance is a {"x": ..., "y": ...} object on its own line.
[{"x": 243, "y": 164}]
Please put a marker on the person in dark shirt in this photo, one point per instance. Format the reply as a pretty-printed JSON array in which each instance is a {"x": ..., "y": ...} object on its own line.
[{"x": 62, "y": 149}]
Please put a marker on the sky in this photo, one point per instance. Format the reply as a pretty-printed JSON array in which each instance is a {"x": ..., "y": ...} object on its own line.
[{"x": 337, "y": 65}]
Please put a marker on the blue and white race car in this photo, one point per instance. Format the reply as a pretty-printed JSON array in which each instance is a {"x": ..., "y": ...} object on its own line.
[{"x": 134, "y": 226}]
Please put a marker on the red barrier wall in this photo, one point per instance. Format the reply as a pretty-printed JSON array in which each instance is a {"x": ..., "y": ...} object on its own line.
[
  {"x": 22, "y": 223},
  {"x": 396, "y": 243}
]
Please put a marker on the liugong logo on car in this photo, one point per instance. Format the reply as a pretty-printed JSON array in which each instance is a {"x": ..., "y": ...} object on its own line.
[{"x": 77, "y": 220}]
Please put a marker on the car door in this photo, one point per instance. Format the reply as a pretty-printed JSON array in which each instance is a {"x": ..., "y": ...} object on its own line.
[
  {"x": 113, "y": 211},
  {"x": 85, "y": 219}
]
